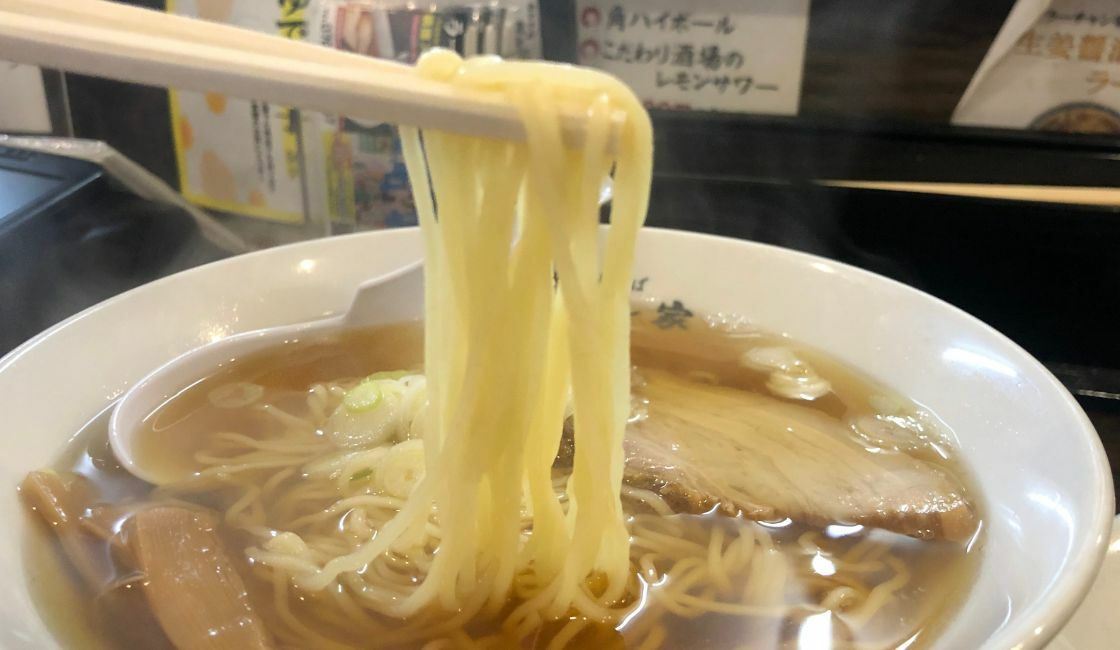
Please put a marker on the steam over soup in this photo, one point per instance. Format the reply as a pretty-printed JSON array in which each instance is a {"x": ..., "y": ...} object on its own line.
[{"x": 295, "y": 447}]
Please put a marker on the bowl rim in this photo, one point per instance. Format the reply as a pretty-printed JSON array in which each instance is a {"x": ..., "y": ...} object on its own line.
[{"x": 1038, "y": 622}]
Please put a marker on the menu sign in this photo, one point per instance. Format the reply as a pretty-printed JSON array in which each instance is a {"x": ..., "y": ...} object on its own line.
[
  {"x": 1054, "y": 66},
  {"x": 240, "y": 155},
  {"x": 728, "y": 55}
]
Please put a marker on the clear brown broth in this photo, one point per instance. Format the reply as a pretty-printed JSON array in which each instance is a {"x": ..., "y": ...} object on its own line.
[{"x": 941, "y": 572}]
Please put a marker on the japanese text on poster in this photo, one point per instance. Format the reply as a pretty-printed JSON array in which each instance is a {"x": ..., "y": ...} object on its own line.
[
  {"x": 736, "y": 56},
  {"x": 1054, "y": 66}
]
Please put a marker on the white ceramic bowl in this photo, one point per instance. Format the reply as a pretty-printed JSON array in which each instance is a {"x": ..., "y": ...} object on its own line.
[{"x": 1044, "y": 479}]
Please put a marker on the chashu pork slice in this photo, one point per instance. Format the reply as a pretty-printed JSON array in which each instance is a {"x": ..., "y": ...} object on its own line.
[{"x": 704, "y": 446}]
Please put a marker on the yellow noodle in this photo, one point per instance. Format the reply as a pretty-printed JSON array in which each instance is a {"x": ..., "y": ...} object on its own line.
[
  {"x": 492, "y": 545},
  {"x": 882, "y": 592},
  {"x": 717, "y": 570}
]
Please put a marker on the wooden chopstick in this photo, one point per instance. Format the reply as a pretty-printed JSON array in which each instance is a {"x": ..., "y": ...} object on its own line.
[
  {"x": 163, "y": 61},
  {"x": 1098, "y": 196},
  {"x": 104, "y": 39}
]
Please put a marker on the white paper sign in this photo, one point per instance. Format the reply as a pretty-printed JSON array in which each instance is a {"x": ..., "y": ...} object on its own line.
[
  {"x": 741, "y": 56},
  {"x": 1054, "y": 66}
]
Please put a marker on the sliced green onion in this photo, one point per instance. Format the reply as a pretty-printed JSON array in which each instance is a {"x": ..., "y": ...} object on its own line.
[
  {"x": 362, "y": 474},
  {"x": 389, "y": 374},
  {"x": 363, "y": 397}
]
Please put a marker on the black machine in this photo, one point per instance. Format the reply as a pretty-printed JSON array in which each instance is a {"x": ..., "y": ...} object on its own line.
[{"x": 70, "y": 237}]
